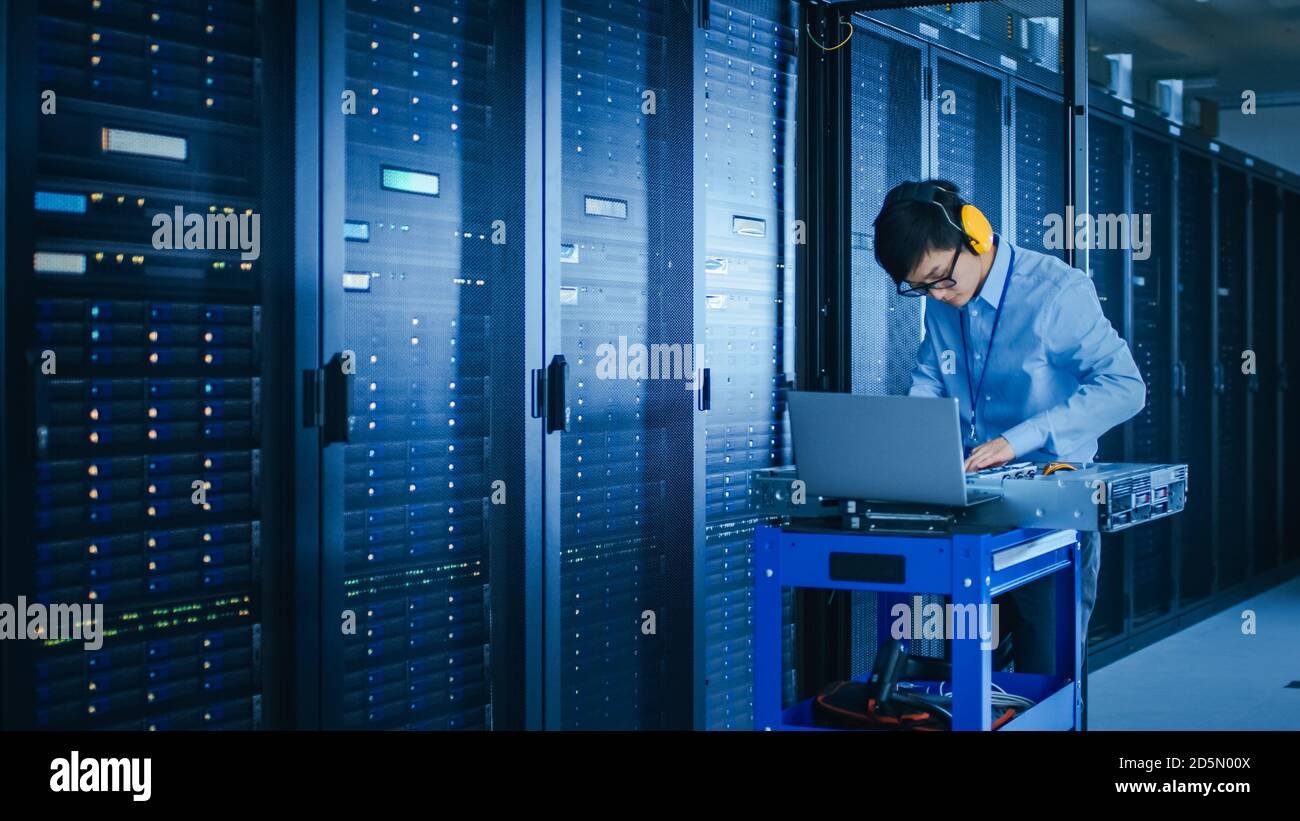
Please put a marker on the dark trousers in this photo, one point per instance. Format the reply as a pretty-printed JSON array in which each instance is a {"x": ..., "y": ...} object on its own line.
[{"x": 1032, "y": 621}]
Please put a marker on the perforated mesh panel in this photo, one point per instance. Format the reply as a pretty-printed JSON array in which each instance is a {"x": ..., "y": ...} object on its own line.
[
  {"x": 626, "y": 524},
  {"x": 433, "y": 310},
  {"x": 971, "y": 145},
  {"x": 750, "y": 53},
  {"x": 885, "y": 149},
  {"x": 1040, "y": 147}
]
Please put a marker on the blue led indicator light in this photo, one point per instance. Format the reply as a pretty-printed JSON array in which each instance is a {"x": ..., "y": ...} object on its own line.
[{"x": 60, "y": 202}]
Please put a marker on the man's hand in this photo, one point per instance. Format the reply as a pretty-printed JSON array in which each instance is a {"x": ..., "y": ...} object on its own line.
[{"x": 990, "y": 454}]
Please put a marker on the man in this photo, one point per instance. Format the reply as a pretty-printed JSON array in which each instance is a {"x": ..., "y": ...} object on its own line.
[{"x": 1020, "y": 339}]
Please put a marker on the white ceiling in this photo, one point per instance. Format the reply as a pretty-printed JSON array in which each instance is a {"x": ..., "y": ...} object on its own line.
[{"x": 1221, "y": 47}]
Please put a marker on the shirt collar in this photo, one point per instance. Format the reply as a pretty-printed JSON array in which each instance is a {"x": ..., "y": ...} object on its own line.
[{"x": 994, "y": 282}]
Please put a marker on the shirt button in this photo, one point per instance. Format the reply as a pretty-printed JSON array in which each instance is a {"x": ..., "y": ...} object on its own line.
[
  {"x": 979, "y": 356},
  {"x": 988, "y": 399}
]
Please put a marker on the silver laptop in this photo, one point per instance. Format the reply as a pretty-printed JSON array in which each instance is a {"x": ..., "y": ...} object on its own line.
[{"x": 881, "y": 448}]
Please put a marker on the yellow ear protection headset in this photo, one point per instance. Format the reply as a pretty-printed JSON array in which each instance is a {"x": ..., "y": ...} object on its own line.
[{"x": 974, "y": 224}]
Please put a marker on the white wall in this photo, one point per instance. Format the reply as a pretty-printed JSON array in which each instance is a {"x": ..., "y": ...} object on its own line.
[{"x": 1272, "y": 134}]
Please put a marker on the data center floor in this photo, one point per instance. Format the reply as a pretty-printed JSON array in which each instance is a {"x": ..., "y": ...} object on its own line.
[{"x": 1210, "y": 676}]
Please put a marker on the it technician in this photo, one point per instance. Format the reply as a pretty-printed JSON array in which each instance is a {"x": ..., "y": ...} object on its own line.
[{"x": 1019, "y": 338}]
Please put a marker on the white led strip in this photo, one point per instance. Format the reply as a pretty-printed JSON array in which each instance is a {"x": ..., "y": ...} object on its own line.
[
  {"x": 144, "y": 144},
  {"x": 48, "y": 262},
  {"x": 353, "y": 281}
]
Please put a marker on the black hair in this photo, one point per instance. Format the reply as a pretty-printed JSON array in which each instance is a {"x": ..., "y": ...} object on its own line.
[{"x": 908, "y": 229}]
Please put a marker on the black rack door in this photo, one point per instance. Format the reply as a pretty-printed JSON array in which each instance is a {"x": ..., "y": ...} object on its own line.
[
  {"x": 1289, "y": 306},
  {"x": 1151, "y": 340},
  {"x": 1107, "y": 161},
  {"x": 1197, "y": 360},
  {"x": 1266, "y": 435},
  {"x": 424, "y": 408},
  {"x": 1231, "y": 443},
  {"x": 1108, "y": 267},
  {"x": 620, "y": 260}
]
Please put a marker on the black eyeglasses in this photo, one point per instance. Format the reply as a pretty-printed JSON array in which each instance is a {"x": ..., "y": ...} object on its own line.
[{"x": 937, "y": 285}]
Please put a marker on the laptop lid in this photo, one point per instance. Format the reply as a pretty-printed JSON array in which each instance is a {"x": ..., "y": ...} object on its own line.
[{"x": 884, "y": 448}]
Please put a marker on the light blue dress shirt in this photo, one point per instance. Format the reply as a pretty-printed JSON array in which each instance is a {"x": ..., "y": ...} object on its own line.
[{"x": 1060, "y": 375}]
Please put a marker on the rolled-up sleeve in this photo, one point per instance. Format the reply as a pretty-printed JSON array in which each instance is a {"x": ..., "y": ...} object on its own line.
[{"x": 1079, "y": 339}]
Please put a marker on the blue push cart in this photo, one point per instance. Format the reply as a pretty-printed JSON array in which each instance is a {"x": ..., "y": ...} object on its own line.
[{"x": 971, "y": 568}]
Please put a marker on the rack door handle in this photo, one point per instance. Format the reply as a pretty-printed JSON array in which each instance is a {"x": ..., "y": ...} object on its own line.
[
  {"x": 336, "y": 402},
  {"x": 556, "y": 394}
]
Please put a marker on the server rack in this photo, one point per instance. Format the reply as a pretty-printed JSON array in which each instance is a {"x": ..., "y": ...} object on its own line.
[
  {"x": 1195, "y": 204},
  {"x": 1263, "y": 336},
  {"x": 426, "y": 443},
  {"x": 1231, "y": 437},
  {"x": 1198, "y": 307},
  {"x": 1149, "y": 331},
  {"x": 1107, "y": 155},
  {"x": 479, "y": 160},
  {"x": 1184, "y": 303},
  {"x": 453, "y": 244},
  {"x": 745, "y": 139},
  {"x": 141, "y": 469},
  {"x": 1289, "y": 346},
  {"x": 1131, "y": 175},
  {"x": 621, "y": 607}
]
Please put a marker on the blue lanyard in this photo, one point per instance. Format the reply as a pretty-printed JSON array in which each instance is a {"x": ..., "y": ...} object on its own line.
[{"x": 974, "y": 389}]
